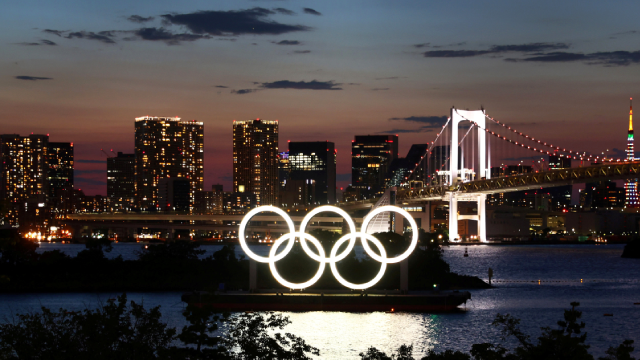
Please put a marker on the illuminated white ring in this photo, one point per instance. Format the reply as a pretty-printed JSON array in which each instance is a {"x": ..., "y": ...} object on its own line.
[
  {"x": 347, "y": 218},
  {"x": 271, "y": 258},
  {"x": 383, "y": 266},
  {"x": 414, "y": 234},
  {"x": 280, "y": 279}
]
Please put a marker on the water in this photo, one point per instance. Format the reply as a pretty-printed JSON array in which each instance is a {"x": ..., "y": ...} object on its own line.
[{"x": 609, "y": 285}]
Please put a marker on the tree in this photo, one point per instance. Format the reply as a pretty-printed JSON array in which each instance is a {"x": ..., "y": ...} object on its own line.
[
  {"x": 113, "y": 331},
  {"x": 622, "y": 352},
  {"x": 203, "y": 322},
  {"x": 247, "y": 336},
  {"x": 564, "y": 343}
]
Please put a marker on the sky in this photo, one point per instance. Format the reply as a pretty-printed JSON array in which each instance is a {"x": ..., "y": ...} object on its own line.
[{"x": 81, "y": 71}]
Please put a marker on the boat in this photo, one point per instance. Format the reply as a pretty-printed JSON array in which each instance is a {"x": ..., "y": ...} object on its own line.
[{"x": 427, "y": 301}]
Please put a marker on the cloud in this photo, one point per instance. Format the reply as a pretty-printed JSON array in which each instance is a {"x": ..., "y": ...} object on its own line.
[
  {"x": 139, "y": 19},
  {"x": 311, "y": 11},
  {"x": 430, "y": 122},
  {"x": 83, "y": 181},
  {"x": 630, "y": 32},
  {"x": 243, "y": 91},
  {"x": 541, "y": 52},
  {"x": 302, "y": 85},
  {"x": 607, "y": 58},
  {"x": 54, "y": 32},
  {"x": 533, "y": 47},
  {"x": 102, "y": 36},
  {"x": 284, "y": 11},
  {"x": 94, "y": 171},
  {"x": 287, "y": 42},
  {"x": 418, "y": 46},
  {"x": 86, "y": 161},
  {"x": 48, "y": 42},
  {"x": 454, "y": 53},
  {"x": 391, "y": 78},
  {"x": 496, "y": 49},
  {"x": 234, "y": 22},
  {"x": 302, "y": 51},
  {"x": 161, "y": 34},
  {"x": 29, "y": 44},
  {"x": 379, "y": 89},
  {"x": 32, "y": 78},
  {"x": 221, "y": 86}
]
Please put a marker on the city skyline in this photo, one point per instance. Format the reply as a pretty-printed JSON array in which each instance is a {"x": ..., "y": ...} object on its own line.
[{"x": 326, "y": 71}]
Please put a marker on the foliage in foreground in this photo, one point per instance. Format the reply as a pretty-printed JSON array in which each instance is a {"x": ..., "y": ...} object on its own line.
[
  {"x": 118, "y": 331},
  {"x": 122, "y": 331},
  {"x": 567, "y": 342}
]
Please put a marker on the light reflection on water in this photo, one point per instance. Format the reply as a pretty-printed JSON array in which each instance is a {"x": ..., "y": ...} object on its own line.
[{"x": 611, "y": 285}]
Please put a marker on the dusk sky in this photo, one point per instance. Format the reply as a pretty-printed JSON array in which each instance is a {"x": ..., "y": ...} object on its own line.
[{"x": 81, "y": 71}]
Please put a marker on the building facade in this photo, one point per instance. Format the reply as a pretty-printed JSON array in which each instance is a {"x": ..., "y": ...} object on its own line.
[
  {"x": 255, "y": 160},
  {"x": 23, "y": 180},
  {"x": 121, "y": 184},
  {"x": 559, "y": 162},
  {"x": 167, "y": 147},
  {"x": 371, "y": 158},
  {"x": 410, "y": 168},
  {"x": 315, "y": 160},
  {"x": 60, "y": 178}
]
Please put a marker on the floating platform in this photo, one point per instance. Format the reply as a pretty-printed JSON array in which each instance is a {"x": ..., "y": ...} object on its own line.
[{"x": 436, "y": 301}]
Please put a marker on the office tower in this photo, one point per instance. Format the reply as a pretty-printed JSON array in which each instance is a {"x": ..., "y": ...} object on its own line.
[
  {"x": 121, "y": 185},
  {"x": 631, "y": 186},
  {"x": 606, "y": 195},
  {"x": 210, "y": 202},
  {"x": 408, "y": 169},
  {"x": 60, "y": 178},
  {"x": 371, "y": 156},
  {"x": 283, "y": 168},
  {"x": 23, "y": 176},
  {"x": 559, "y": 162},
  {"x": 315, "y": 160},
  {"x": 174, "y": 194},
  {"x": 255, "y": 160},
  {"x": 167, "y": 147}
]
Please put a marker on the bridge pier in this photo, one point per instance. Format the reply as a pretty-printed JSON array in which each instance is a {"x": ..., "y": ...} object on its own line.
[
  {"x": 481, "y": 217},
  {"x": 453, "y": 217}
]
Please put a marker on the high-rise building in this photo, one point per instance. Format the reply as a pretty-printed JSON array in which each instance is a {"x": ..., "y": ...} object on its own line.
[
  {"x": 631, "y": 186},
  {"x": 167, "y": 147},
  {"x": 371, "y": 157},
  {"x": 283, "y": 168},
  {"x": 121, "y": 184},
  {"x": 23, "y": 174},
  {"x": 210, "y": 202},
  {"x": 255, "y": 160},
  {"x": 315, "y": 160},
  {"x": 60, "y": 178},
  {"x": 559, "y": 162},
  {"x": 174, "y": 194},
  {"x": 412, "y": 167}
]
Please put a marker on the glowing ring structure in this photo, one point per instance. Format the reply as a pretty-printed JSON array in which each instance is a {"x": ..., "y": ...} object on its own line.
[
  {"x": 414, "y": 235},
  {"x": 333, "y": 256},
  {"x": 347, "y": 218},
  {"x": 280, "y": 279},
  {"x": 341, "y": 280},
  {"x": 243, "y": 242}
]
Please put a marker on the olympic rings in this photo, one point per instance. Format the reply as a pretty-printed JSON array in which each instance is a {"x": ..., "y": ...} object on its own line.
[{"x": 333, "y": 256}]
